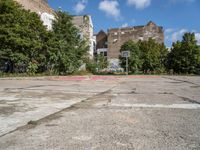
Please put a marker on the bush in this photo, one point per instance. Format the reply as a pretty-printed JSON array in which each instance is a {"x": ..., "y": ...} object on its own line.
[
  {"x": 91, "y": 66},
  {"x": 32, "y": 68}
]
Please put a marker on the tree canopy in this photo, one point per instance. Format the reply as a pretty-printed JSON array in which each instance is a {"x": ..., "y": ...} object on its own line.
[
  {"x": 153, "y": 56},
  {"x": 27, "y": 46},
  {"x": 22, "y": 36},
  {"x": 134, "y": 60},
  {"x": 66, "y": 48},
  {"x": 185, "y": 55},
  {"x": 146, "y": 56}
]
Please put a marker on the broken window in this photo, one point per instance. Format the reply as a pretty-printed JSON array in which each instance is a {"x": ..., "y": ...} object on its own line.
[{"x": 115, "y": 40}]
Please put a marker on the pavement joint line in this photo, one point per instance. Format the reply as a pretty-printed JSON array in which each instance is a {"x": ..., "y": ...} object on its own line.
[
  {"x": 60, "y": 111},
  {"x": 62, "y": 91},
  {"x": 54, "y": 113}
]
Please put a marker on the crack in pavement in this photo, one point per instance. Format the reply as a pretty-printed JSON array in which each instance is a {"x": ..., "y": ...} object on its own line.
[
  {"x": 180, "y": 80},
  {"x": 85, "y": 103},
  {"x": 189, "y": 100}
]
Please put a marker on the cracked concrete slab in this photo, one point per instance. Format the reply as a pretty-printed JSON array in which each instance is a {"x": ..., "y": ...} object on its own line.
[
  {"x": 21, "y": 102},
  {"x": 132, "y": 112}
]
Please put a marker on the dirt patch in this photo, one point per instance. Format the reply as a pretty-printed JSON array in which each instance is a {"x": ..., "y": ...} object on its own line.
[{"x": 7, "y": 110}]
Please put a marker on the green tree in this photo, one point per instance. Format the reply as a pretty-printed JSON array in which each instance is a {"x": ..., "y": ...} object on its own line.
[
  {"x": 22, "y": 37},
  {"x": 134, "y": 61},
  {"x": 185, "y": 55},
  {"x": 66, "y": 48},
  {"x": 97, "y": 64},
  {"x": 153, "y": 56},
  {"x": 101, "y": 61}
]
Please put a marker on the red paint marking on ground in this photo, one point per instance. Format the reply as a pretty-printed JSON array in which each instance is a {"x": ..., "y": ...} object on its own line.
[
  {"x": 81, "y": 78},
  {"x": 96, "y": 78},
  {"x": 69, "y": 78},
  {"x": 104, "y": 78},
  {"x": 143, "y": 76}
]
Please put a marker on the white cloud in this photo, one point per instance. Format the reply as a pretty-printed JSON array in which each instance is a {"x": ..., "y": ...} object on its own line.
[
  {"x": 139, "y": 4},
  {"x": 80, "y": 6},
  {"x": 178, "y": 34},
  {"x": 169, "y": 30},
  {"x": 111, "y": 8},
  {"x": 197, "y": 35},
  {"x": 124, "y": 25}
]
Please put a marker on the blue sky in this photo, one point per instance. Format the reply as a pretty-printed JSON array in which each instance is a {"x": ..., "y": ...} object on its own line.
[{"x": 176, "y": 16}]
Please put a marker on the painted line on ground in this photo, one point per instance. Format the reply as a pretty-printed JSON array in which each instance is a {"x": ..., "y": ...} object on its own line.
[{"x": 172, "y": 106}]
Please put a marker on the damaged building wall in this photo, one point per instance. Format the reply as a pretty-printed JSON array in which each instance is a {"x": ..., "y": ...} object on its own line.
[
  {"x": 42, "y": 8},
  {"x": 47, "y": 15},
  {"x": 36, "y": 5},
  {"x": 85, "y": 26},
  {"x": 117, "y": 37},
  {"x": 102, "y": 39},
  {"x": 101, "y": 43}
]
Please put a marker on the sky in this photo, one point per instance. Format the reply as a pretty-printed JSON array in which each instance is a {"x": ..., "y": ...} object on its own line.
[{"x": 176, "y": 16}]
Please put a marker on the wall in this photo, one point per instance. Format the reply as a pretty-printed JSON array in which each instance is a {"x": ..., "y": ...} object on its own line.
[
  {"x": 36, "y": 6},
  {"x": 42, "y": 8},
  {"x": 117, "y": 37},
  {"x": 85, "y": 25},
  {"x": 101, "y": 39}
]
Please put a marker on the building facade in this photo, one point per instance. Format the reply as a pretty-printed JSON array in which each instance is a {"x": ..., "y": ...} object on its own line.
[
  {"x": 47, "y": 15},
  {"x": 118, "y": 36},
  {"x": 101, "y": 43},
  {"x": 42, "y": 8},
  {"x": 86, "y": 28}
]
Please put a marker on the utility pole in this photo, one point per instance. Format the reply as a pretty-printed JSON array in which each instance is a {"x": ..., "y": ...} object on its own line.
[{"x": 126, "y": 65}]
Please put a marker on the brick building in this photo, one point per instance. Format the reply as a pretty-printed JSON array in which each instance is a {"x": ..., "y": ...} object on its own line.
[
  {"x": 36, "y": 5},
  {"x": 102, "y": 43},
  {"x": 85, "y": 25},
  {"x": 47, "y": 15},
  {"x": 42, "y": 8},
  {"x": 118, "y": 36}
]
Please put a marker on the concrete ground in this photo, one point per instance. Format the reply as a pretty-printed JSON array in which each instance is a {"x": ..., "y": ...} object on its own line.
[{"x": 100, "y": 112}]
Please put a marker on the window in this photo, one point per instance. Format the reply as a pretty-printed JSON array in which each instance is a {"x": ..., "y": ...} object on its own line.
[{"x": 115, "y": 40}]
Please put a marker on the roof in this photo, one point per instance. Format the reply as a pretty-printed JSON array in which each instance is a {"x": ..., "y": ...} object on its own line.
[
  {"x": 131, "y": 27},
  {"x": 102, "y": 31}
]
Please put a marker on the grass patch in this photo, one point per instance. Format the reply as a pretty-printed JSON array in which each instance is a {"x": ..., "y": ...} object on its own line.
[{"x": 82, "y": 73}]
